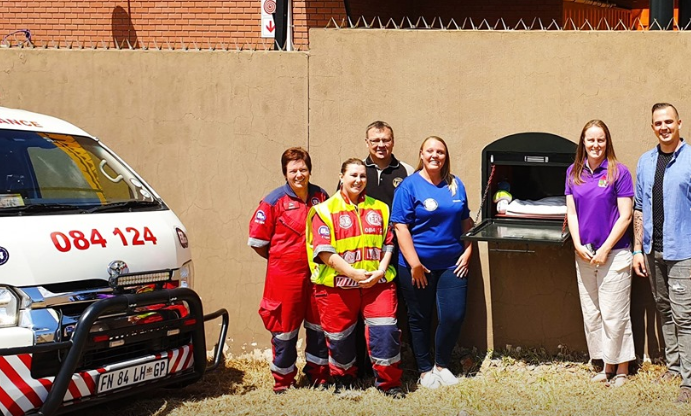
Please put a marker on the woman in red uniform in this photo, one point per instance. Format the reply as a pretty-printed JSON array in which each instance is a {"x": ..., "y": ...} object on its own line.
[
  {"x": 349, "y": 247},
  {"x": 277, "y": 233}
]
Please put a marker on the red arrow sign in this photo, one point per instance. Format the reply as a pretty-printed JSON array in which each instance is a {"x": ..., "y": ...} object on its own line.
[{"x": 270, "y": 27}]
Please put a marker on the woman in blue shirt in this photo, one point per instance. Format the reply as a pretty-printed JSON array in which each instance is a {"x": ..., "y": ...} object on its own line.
[{"x": 430, "y": 214}]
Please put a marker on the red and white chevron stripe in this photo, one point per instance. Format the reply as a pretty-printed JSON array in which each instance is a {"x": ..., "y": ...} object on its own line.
[
  {"x": 20, "y": 393},
  {"x": 179, "y": 359}
]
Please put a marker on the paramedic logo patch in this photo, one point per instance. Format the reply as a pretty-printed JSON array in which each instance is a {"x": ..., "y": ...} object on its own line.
[
  {"x": 315, "y": 201},
  {"x": 260, "y": 217},
  {"x": 430, "y": 204},
  {"x": 4, "y": 256},
  {"x": 324, "y": 231},
  {"x": 373, "y": 218},
  {"x": 345, "y": 222}
]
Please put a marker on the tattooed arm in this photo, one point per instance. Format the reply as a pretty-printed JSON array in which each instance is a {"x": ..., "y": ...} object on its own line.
[{"x": 639, "y": 258}]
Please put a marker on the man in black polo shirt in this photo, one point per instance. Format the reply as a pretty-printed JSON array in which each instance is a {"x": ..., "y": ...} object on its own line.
[
  {"x": 384, "y": 174},
  {"x": 384, "y": 171}
]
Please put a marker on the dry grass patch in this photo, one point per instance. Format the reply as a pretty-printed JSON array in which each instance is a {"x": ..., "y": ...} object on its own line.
[{"x": 506, "y": 383}]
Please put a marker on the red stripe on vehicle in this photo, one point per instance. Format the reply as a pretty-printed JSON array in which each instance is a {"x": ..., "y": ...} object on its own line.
[
  {"x": 20, "y": 383},
  {"x": 89, "y": 381},
  {"x": 74, "y": 390},
  {"x": 174, "y": 365},
  {"x": 27, "y": 359},
  {"x": 46, "y": 383},
  {"x": 10, "y": 404},
  {"x": 189, "y": 361}
]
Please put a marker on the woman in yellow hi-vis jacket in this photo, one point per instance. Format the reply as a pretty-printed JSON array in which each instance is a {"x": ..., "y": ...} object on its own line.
[{"x": 349, "y": 246}]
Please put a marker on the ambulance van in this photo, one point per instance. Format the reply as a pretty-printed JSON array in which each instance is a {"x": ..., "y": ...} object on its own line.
[{"x": 96, "y": 275}]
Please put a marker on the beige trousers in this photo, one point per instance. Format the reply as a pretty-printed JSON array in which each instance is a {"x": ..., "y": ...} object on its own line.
[{"x": 605, "y": 294}]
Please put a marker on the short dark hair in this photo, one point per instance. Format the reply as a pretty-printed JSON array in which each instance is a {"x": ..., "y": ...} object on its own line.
[
  {"x": 660, "y": 106},
  {"x": 378, "y": 125},
  {"x": 295, "y": 153}
]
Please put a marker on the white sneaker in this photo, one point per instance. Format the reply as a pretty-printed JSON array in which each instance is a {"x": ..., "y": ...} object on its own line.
[
  {"x": 430, "y": 381},
  {"x": 447, "y": 378}
]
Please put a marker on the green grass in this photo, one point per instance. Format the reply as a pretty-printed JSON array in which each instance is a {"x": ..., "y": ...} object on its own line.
[{"x": 515, "y": 382}]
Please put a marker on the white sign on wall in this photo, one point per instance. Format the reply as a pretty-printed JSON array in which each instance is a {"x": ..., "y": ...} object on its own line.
[{"x": 268, "y": 25}]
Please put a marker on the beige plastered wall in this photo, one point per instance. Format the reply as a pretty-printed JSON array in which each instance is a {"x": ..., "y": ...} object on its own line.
[
  {"x": 206, "y": 129},
  {"x": 472, "y": 88}
]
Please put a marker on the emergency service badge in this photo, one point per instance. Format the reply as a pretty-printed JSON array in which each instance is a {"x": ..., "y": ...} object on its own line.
[
  {"x": 260, "y": 217},
  {"x": 345, "y": 222},
  {"x": 373, "y": 219},
  {"x": 324, "y": 231},
  {"x": 315, "y": 201},
  {"x": 602, "y": 183},
  {"x": 430, "y": 204},
  {"x": 397, "y": 181},
  {"x": 4, "y": 255}
]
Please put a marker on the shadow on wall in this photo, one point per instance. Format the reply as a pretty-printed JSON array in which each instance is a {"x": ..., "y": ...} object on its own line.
[
  {"x": 474, "y": 330},
  {"x": 122, "y": 27},
  {"x": 645, "y": 321}
]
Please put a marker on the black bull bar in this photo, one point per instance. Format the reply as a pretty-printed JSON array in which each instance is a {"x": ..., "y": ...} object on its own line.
[{"x": 120, "y": 304}]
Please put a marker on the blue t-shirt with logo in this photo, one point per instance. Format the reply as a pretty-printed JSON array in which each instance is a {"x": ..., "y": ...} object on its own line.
[{"x": 434, "y": 218}]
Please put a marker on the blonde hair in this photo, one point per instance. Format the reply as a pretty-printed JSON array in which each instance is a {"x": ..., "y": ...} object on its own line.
[{"x": 446, "y": 174}]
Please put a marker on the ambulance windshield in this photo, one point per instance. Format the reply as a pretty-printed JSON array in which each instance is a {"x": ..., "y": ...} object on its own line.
[{"x": 44, "y": 173}]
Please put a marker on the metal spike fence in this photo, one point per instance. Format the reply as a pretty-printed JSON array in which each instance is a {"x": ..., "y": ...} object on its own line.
[
  {"x": 22, "y": 38},
  {"x": 500, "y": 25}
]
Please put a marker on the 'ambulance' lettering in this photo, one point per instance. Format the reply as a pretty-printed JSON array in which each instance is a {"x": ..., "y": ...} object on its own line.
[{"x": 20, "y": 122}]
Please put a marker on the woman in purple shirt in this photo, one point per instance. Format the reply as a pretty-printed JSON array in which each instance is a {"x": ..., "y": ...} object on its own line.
[{"x": 599, "y": 193}]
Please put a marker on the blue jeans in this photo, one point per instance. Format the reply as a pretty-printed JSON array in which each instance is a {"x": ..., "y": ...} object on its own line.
[{"x": 448, "y": 292}]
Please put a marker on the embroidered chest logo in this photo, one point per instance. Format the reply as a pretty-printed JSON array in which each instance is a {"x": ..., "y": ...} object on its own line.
[
  {"x": 430, "y": 204},
  {"x": 397, "y": 181},
  {"x": 602, "y": 183},
  {"x": 315, "y": 201},
  {"x": 373, "y": 218},
  {"x": 345, "y": 222}
]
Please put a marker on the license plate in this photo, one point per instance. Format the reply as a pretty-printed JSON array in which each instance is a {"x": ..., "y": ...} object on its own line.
[{"x": 132, "y": 375}]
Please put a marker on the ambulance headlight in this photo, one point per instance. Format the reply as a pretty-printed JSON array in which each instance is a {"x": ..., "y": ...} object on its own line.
[
  {"x": 9, "y": 307},
  {"x": 185, "y": 275}
]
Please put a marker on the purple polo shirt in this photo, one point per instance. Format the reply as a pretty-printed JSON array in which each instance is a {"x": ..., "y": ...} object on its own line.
[{"x": 596, "y": 203}]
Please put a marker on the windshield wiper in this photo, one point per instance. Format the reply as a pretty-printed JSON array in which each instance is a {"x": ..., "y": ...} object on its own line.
[
  {"x": 124, "y": 206},
  {"x": 40, "y": 208}
]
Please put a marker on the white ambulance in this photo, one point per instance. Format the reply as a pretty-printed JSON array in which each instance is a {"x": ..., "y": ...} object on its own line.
[{"x": 96, "y": 298}]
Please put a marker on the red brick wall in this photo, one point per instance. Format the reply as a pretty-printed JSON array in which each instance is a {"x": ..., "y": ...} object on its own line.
[
  {"x": 236, "y": 22},
  {"x": 309, "y": 13},
  {"x": 143, "y": 21},
  {"x": 135, "y": 20}
]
